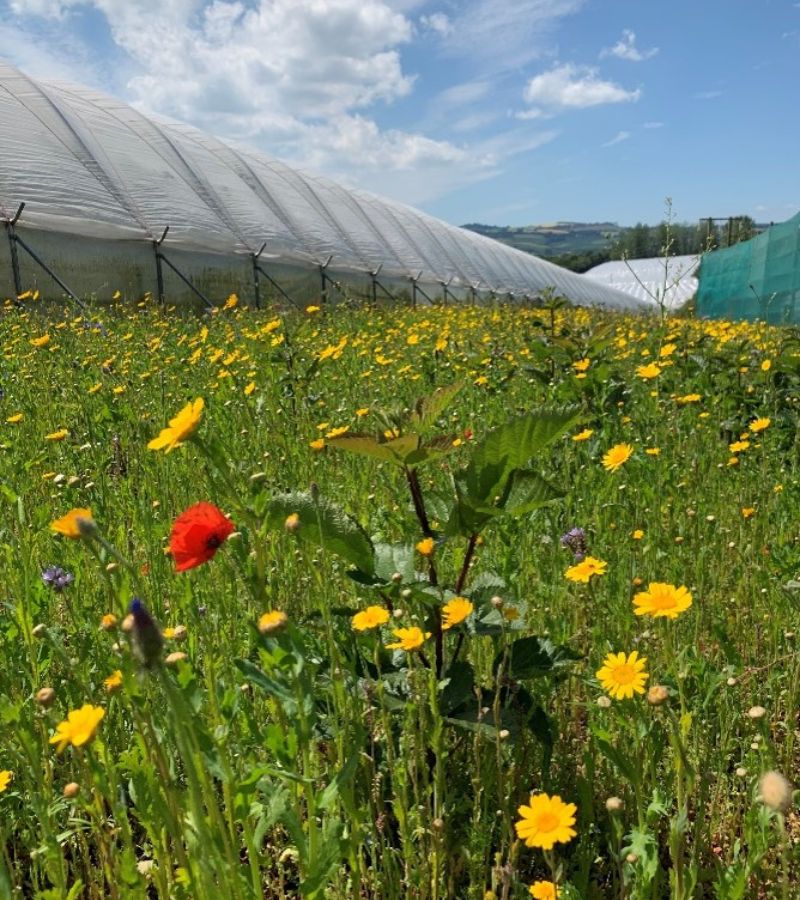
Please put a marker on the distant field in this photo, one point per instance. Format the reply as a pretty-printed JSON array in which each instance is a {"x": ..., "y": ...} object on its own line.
[
  {"x": 561, "y": 238},
  {"x": 452, "y": 564}
]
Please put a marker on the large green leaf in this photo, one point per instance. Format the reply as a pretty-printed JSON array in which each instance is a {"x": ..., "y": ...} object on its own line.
[
  {"x": 326, "y": 525},
  {"x": 406, "y": 450},
  {"x": 510, "y": 447},
  {"x": 532, "y": 657},
  {"x": 428, "y": 409}
]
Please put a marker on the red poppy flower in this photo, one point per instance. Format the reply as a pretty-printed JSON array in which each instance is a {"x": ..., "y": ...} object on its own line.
[{"x": 197, "y": 534}]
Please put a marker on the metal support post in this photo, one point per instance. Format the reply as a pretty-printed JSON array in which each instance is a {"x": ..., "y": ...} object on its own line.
[
  {"x": 445, "y": 285},
  {"x": 256, "y": 286},
  {"x": 160, "y": 258},
  {"x": 12, "y": 246},
  {"x": 324, "y": 279},
  {"x": 159, "y": 271},
  {"x": 16, "y": 241}
]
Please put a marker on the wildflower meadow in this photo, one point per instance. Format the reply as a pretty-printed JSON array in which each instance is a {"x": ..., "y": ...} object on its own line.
[{"x": 452, "y": 602}]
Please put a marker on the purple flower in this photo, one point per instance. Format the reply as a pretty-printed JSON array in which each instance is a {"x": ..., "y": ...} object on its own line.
[
  {"x": 575, "y": 540},
  {"x": 56, "y": 578}
]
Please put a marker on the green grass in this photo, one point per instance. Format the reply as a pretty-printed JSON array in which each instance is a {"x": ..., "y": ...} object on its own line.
[{"x": 312, "y": 761}]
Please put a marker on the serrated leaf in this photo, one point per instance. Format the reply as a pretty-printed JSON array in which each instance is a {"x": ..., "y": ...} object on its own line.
[
  {"x": 510, "y": 447},
  {"x": 326, "y": 525},
  {"x": 396, "y": 450},
  {"x": 528, "y": 491},
  {"x": 428, "y": 409},
  {"x": 532, "y": 657}
]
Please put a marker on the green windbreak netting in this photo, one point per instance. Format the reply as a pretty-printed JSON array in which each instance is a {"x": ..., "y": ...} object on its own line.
[{"x": 758, "y": 279}]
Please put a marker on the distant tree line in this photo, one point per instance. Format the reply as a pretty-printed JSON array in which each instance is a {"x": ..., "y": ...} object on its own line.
[{"x": 676, "y": 238}]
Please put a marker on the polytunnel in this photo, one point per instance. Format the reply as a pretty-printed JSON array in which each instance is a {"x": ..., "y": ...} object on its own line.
[{"x": 109, "y": 199}]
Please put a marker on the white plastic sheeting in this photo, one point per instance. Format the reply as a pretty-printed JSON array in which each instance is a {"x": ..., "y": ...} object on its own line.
[
  {"x": 88, "y": 165},
  {"x": 648, "y": 280}
]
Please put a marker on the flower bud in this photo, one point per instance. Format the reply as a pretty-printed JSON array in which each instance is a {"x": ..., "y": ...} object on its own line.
[
  {"x": 71, "y": 790},
  {"x": 657, "y": 695},
  {"x": 45, "y": 697},
  {"x": 496, "y": 602},
  {"x": 108, "y": 622},
  {"x": 614, "y": 804},
  {"x": 39, "y": 631},
  {"x": 174, "y": 658},
  {"x": 756, "y": 712}
]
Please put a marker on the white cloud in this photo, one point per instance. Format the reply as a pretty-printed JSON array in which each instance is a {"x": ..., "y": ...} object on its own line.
[
  {"x": 575, "y": 87},
  {"x": 707, "y": 95},
  {"x": 626, "y": 48},
  {"x": 299, "y": 79},
  {"x": 500, "y": 35},
  {"x": 438, "y": 22},
  {"x": 618, "y": 138},
  {"x": 651, "y": 125}
]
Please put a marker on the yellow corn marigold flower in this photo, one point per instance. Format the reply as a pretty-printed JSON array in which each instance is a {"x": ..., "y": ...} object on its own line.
[
  {"x": 667, "y": 350},
  {"x": 272, "y": 621},
  {"x": 739, "y": 446},
  {"x": 766, "y": 365},
  {"x": 292, "y": 523},
  {"x": 5, "y": 779},
  {"x": 312, "y": 309},
  {"x": 78, "y": 728},
  {"x": 584, "y": 570},
  {"x": 108, "y": 622},
  {"x": 638, "y": 534},
  {"x": 181, "y": 427},
  {"x": 583, "y": 435},
  {"x": 74, "y": 523},
  {"x": 12, "y": 420},
  {"x": 759, "y": 425},
  {"x": 662, "y": 600},
  {"x": 544, "y": 890},
  {"x": 581, "y": 365},
  {"x": 113, "y": 682},
  {"x": 688, "y": 398},
  {"x": 364, "y": 411},
  {"x": 337, "y": 432},
  {"x": 408, "y": 638},
  {"x": 547, "y": 821},
  {"x": 318, "y": 444},
  {"x": 232, "y": 302},
  {"x": 653, "y": 451},
  {"x": 42, "y": 341},
  {"x": 95, "y": 388},
  {"x": 623, "y": 676},
  {"x": 651, "y": 370},
  {"x": 455, "y": 611},
  {"x": 249, "y": 388},
  {"x": 617, "y": 456},
  {"x": 371, "y": 617},
  {"x": 426, "y": 546},
  {"x": 57, "y": 435},
  {"x": 748, "y": 511}
]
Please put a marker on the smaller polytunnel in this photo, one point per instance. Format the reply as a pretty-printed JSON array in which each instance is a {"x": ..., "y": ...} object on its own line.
[
  {"x": 101, "y": 181},
  {"x": 671, "y": 280}
]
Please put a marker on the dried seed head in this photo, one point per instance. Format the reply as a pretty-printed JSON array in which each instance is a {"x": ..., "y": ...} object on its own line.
[
  {"x": 756, "y": 712},
  {"x": 614, "y": 804},
  {"x": 775, "y": 791}
]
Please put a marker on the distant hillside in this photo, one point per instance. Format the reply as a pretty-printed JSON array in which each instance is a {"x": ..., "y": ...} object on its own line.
[
  {"x": 581, "y": 245},
  {"x": 556, "y": 239}
]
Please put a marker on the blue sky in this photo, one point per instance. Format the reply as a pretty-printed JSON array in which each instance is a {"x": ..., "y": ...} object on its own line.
[{"x": 496, "y": 111}]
